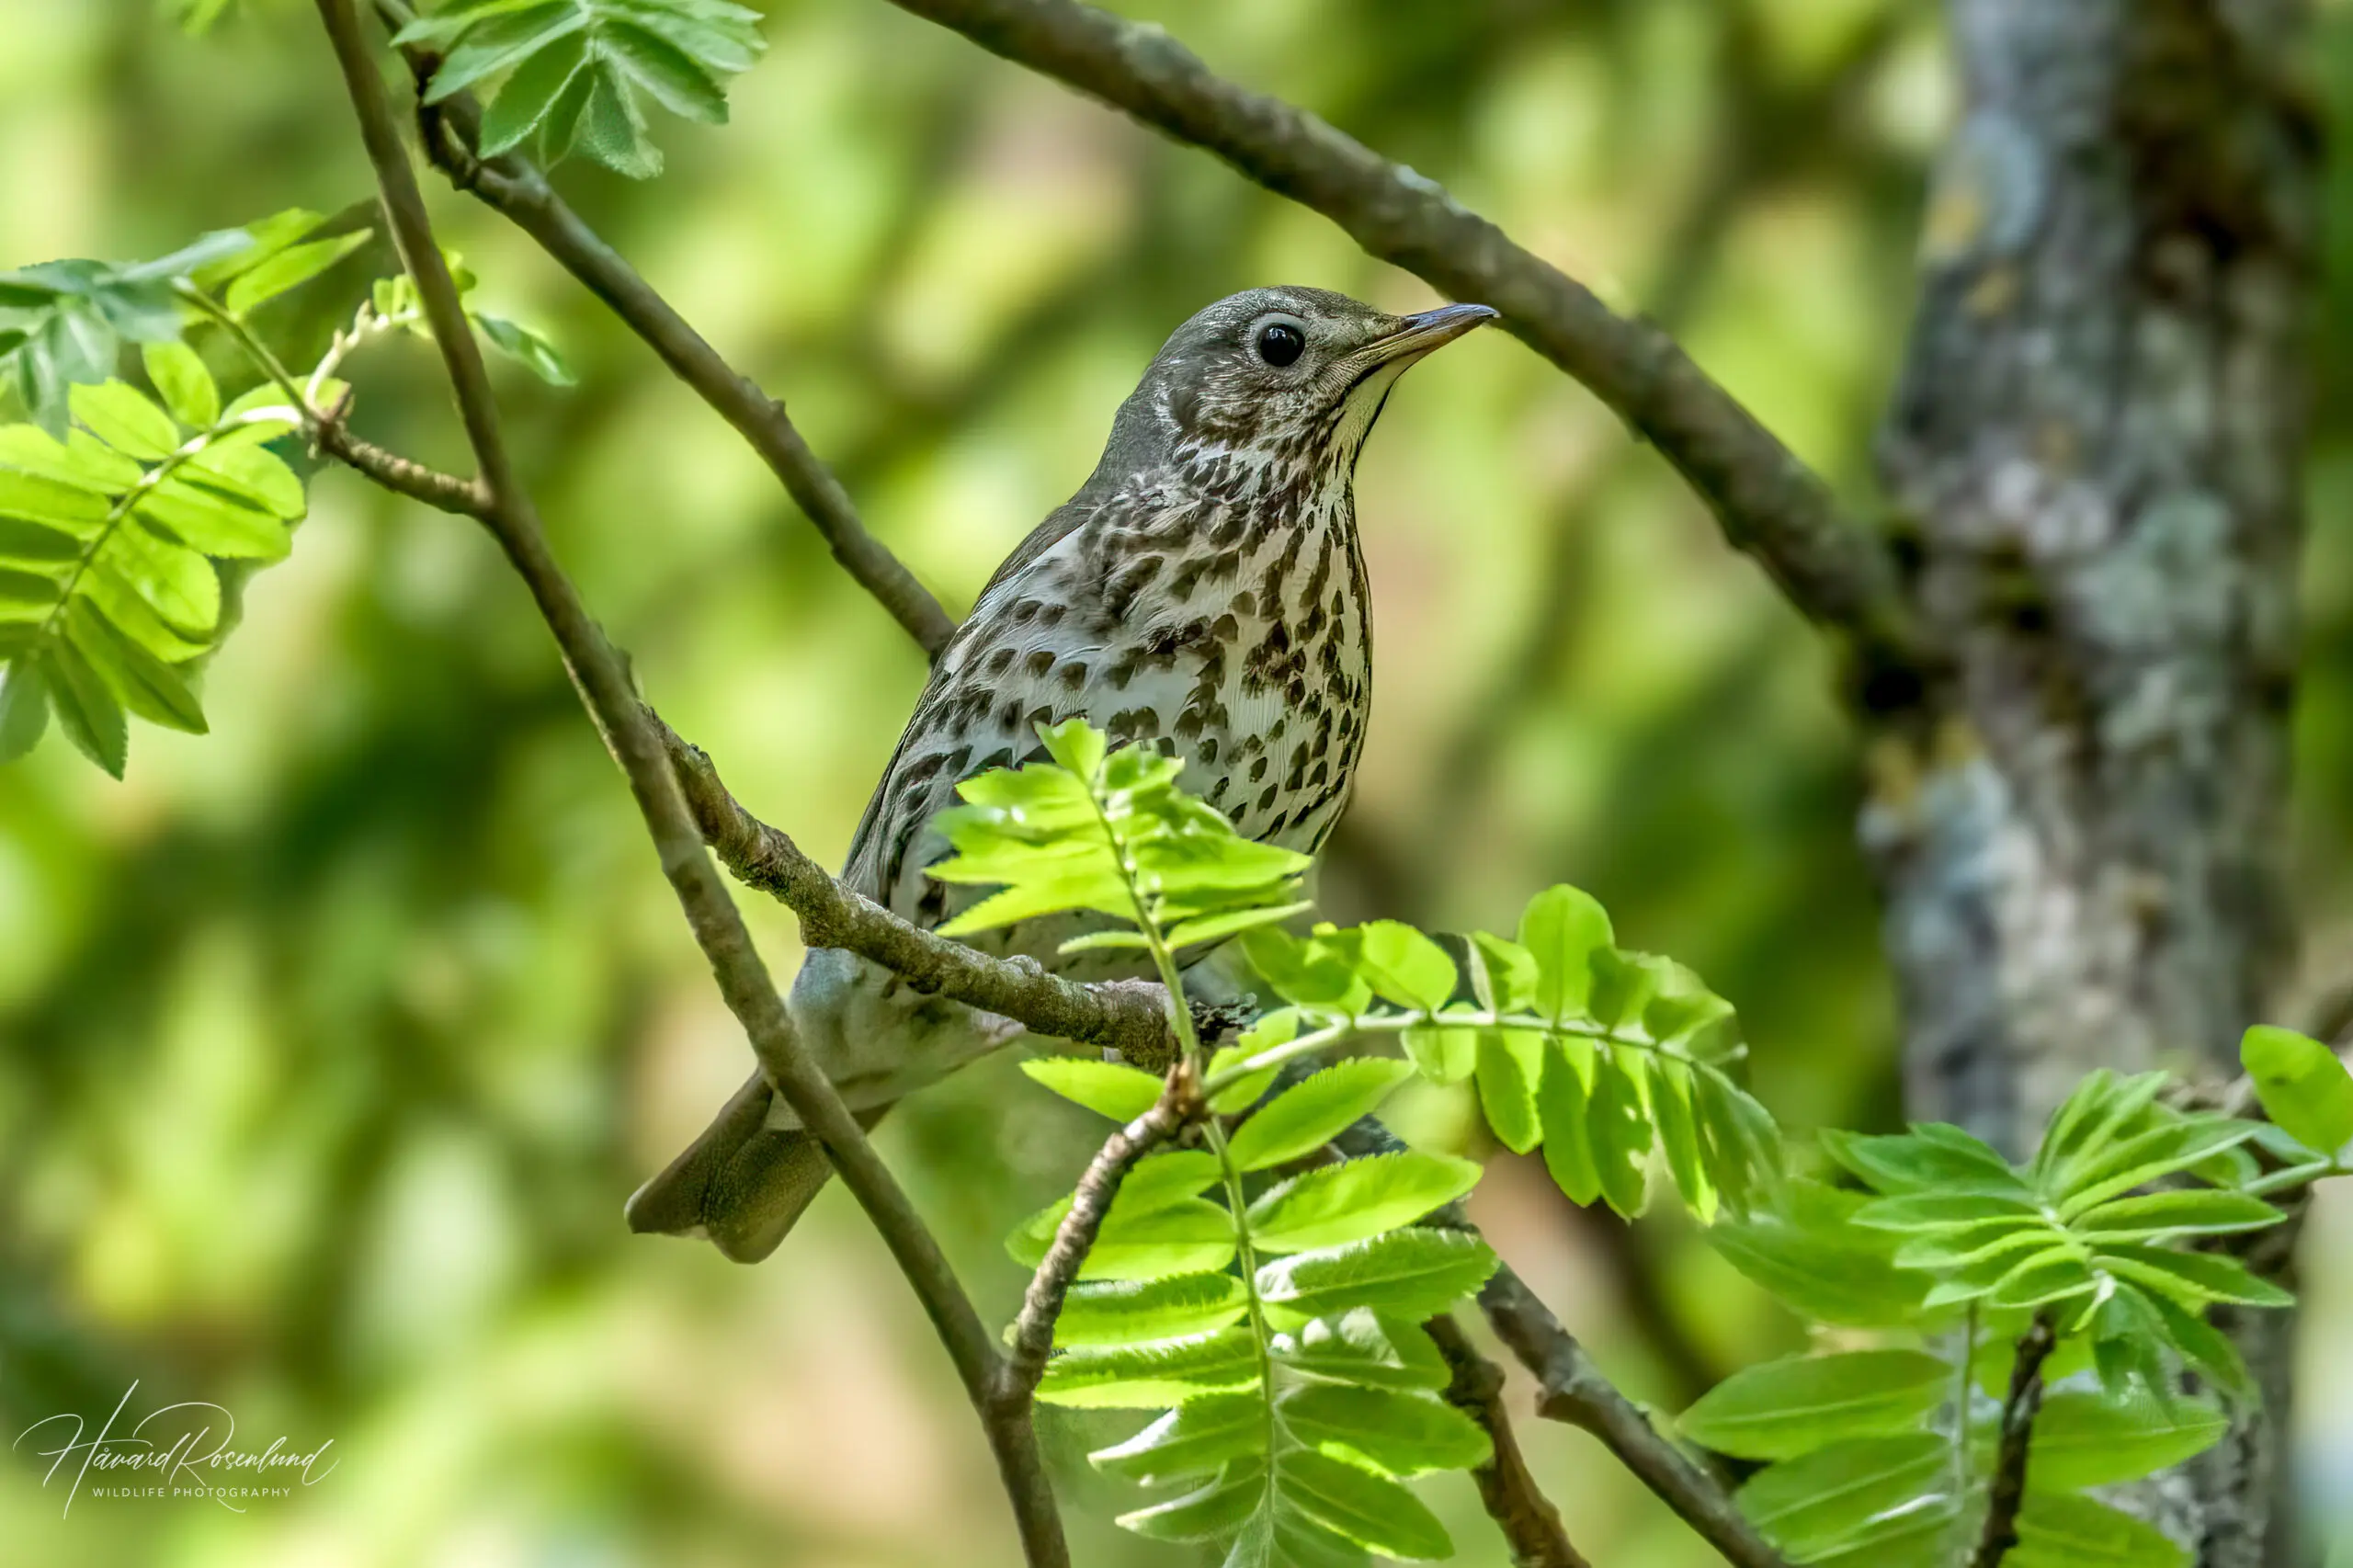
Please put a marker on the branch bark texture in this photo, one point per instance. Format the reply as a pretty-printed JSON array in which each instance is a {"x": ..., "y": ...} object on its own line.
[
  {"x": 1571, "y": 1389},
  {"x": 1769, "y": 504},
  {"x": 1531, "y": 1525},
  {"x": 2098, "y": 436},
  {"x": 597, "y": 671},
  {"x": 2007, "y": 1491}
]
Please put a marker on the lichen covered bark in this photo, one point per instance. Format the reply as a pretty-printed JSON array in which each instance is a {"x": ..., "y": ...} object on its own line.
[{"x": 2096, "y": 454}]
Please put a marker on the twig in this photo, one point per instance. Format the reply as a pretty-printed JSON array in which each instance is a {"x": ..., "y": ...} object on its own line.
[
  {"x": 1767, "y": 501},
  {"x": 1531, "y": 1525},
  {"x": 327, "y": 432},
  {"x": 511, "y": 185},
  {"x": 597, "y": 670},
  {"x": 1179, "y": 1104},
  {"x": 1570, "y": 1388},
  {"x": 2007, "y": 1489},
  {"x": 1130, "y": 1019}
]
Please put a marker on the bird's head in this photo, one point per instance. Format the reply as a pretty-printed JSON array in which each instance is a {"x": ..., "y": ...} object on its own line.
[{"x": 1279, "y": 381}]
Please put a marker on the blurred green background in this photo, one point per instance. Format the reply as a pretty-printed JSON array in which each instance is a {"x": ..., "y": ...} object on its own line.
[{"x": 330, "y": 1044}]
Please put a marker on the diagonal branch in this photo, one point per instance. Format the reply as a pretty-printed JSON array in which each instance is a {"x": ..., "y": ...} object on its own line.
[
  {"x": 1767, "y": 501},
  {"x": 513, "y": 186},
  {"x": 1531, "y": 1525},
  {"x": 597, "y": 671},
  {"x": 1179, "y": 1106},
  {"x": 1130, "y": 1019},
  {"x": 1571, "y": 1389}
]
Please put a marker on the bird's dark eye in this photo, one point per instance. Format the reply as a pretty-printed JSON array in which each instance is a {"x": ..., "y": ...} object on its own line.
[{"x": 1280, "y": 342}]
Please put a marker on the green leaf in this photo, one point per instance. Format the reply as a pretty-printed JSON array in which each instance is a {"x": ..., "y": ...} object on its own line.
[
  {"x": 2198, "y": 1343},
  {"x": 37, "y": 548},
  {"x": 611, "y": 130},
  {"x": 1152, "y": 1376},
  {"x": 209, "y": 521},
  {"x": 1196, "y": 1436},
  {"x": 1806, "y": 1250},
  {"x": 1510, "y": 1067},
  {"x": 2036, "y": 1280},
  {"x": 1147, "y": 1241},
  {"x": 1357, "y": 1200},
  {"x": 1443, "y": 1055},
  {"x": 1128, "y": 1311},
  {"x": 240, "y": 462},
  {"x": 1564, "y": 1106},
  {"x": 289, "y": 270},
  {"x": 1679, "y": 1133},
  {"x": 36, "y": 498},
  {"x": 1312, "y": 1112},
  {"x": 524, "y": 101},
  {"x": 1618, "y": 1132},
  {"x": 243, "y": 249},
  {"x": 1949, "y": 1210},
  {"x": 1357, "y": 1505},
  {"x": 1809, "y": 1504},
  {"x": 175, "y": 582},
  {"x": 121, "y": 416},
  {"x": 2190, "y": 1277},
  {"x": 1310, "y": 972},
  {"x": 1786, "y": 1408},
  {"x": 86, "y": 711},
  {"x": 1403, "y": 1432},
  {"x": 2081, "y": 1439},
  {"x": 1562, "y": 929},
  {"x": 1214, "y": 1510},
  {"x": 2184, "y": 1212},
  {"x": 1414, "y": 1273},
  {"x": 533, "y": 349},
  {"x": 24, "y": 709},
  {"x": 1279, "y": 1028},
  {"x": 2303, "y": 1085},
  {"x": 1404, "y": 966},
  {"x": 1900, "y": 1163},
  {"x": 1106, "y": 1088},
  {"x": 1364, "y": 1348},
  {"x": 146, "y": 685},
  {"x": 1217, "y": 927},
  {"x": 77, "y": 462},
  {"x": 1168, "y": 1176},
  {"x": 188, "y": 387},
  {"x": 1503, "y": 974},
  {"x": 671, "y": 76},
  {"x": 2165, "y": 1150},
  {"x": 501, "y": 42},
  {"x": 2056, "y": 1531}
]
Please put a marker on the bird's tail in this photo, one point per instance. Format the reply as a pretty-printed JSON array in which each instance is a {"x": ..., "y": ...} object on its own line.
[{"x": 743, "y": 1184}]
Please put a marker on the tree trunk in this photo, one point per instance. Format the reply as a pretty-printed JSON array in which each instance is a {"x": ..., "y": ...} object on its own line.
[{"x": 2097, "y": 453}]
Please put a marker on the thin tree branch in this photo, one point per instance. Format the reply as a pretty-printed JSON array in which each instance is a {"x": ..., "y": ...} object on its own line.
[
  {"x": 1531, "y": 1525},
  {"x": 1129, "y": 1017},
  {"x": 2007, "y": 1489},
  {"x": 603, "y": 681},
  {"x": 514, "y": 187},
  {"x": 1767, "y": 501},
  {"x": 1570, "y": 1388},
  {"x": 1179, "y": 1106}
]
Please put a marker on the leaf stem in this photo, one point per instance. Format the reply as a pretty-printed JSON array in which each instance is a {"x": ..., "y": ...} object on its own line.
[{"x": 1343, "y": 1028}]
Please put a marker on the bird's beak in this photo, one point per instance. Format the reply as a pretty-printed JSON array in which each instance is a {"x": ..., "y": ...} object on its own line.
[{"x": 1417, "y": 334}]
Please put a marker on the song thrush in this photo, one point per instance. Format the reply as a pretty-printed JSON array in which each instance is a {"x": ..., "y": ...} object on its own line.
[{"x": 1203, "y": 592}]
